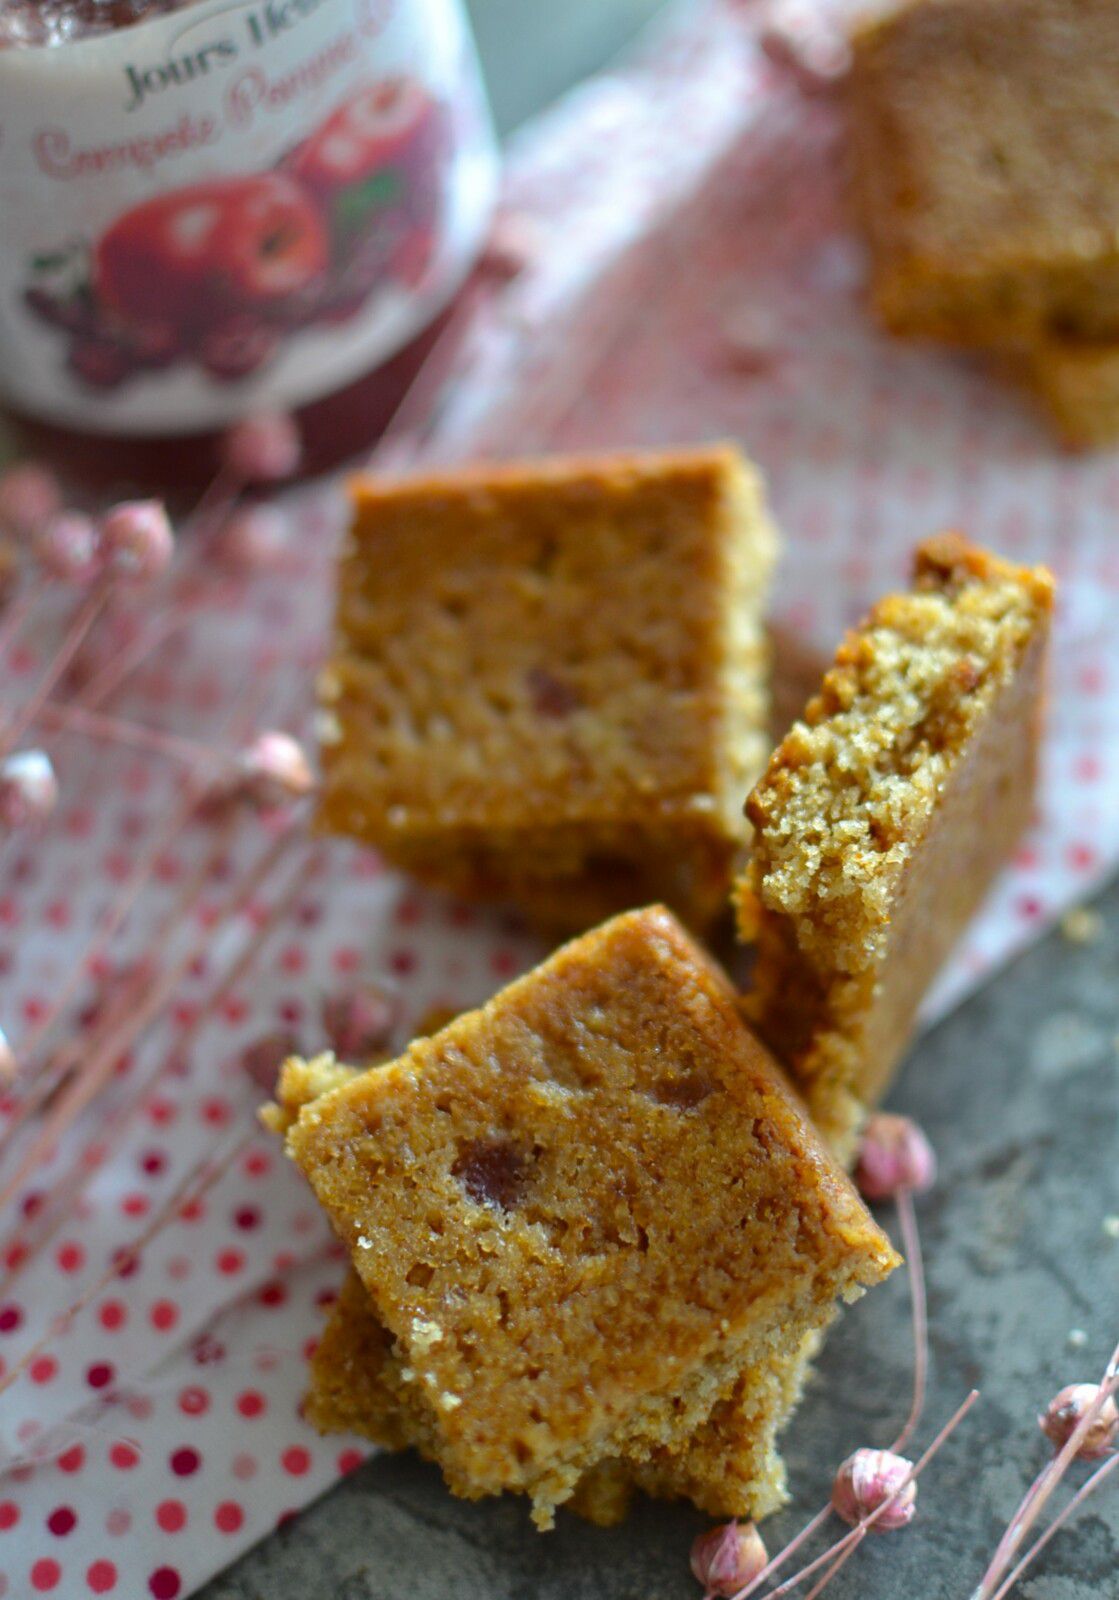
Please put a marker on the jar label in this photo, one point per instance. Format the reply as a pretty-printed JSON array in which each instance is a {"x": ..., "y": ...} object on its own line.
[{"x": 239, "y": 204}]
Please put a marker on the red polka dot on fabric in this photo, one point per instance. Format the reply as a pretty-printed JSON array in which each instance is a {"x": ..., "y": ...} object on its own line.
[
  {"x": 228, "y": 1517},
  {"x": 251, "y": 1403},
  {"x": 230, "y": 1261},
  {"x": 163, "y": 1315},
  {"x": 296, "y": 1460},
  {"x": 194, "y": 1401},
  {"x": 112, "y": 1316},
  {"x": 62, "y": 1520},
  {"x": 101, "y": 1577},
  {"x": 99, "y": 1374},
  {"x": 70, "y": 1257},
  {"x": 73, "y": 1459},
  {"x": 171, "y": 1515},
  {"x": 165, "y": 1583},
  {"x": 42, "y": 1369},
  {"x": 349, "y": 1461},
  {"x": 185, "y": 1461},
  {"x": 45, "y": 1575},
  {"x": 124, "y": 1456},
  {"x": 9, "y": 1515}
]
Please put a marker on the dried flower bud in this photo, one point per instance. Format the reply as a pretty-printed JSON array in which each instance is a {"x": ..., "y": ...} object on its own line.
[
  {"x": 68, "y": 547},
  {"x": 725, "y": 1559},
  {"x": 805, "y": 43},
  {"x": 262, "y": 1060},
  {"x": 1066, "y": 1410},
  {"x": 137, "y": 539},
  {"x": 264, "y": 448},
  {"x": 358, "y": 1022},
  {"x": 28, "y": 788},
  {"x": 894, "y": 1155},
  {"x": 513, "y": 245},
  {"x": 275, "y": 771},
  {"x": 251, "y": 539},
  {"x": 869, "y": 1479},
  {"x": 29, "y": 495}
]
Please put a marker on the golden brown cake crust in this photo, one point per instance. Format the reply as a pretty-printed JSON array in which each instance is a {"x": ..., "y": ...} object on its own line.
[
  {"x": 985, "y": 147},
  {"x": 884, "y": 815},
  {"x": 519, "y": 1195},
  {"x": 548, "y": 683}
]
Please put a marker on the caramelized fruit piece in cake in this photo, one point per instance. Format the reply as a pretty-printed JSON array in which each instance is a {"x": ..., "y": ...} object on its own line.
[
  {"x": 584, "y": 1215},
  {"x": 549, "y": 680},
  {"x": 985, "y": 155},
  {"x": 885, "y": 814}
]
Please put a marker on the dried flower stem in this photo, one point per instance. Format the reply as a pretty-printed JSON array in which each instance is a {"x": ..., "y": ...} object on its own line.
[
  {"x": 88, "y": 1049},
  {"x": 240, "y": 716},
  {"x": 84, "y": 617},
  {"x": 1037, "y": 1495},
  {"x": 107, "y": 927},
  {"x": 1089, "y": 1486},
  {"x": 78, "y": 719},
  {"x": 856, "y": 1534},
  {"x": 96, "y": 1071},
  {"x": 64, "y": 1194},
  {"x": 113, "y": 674},
  {"x": 201, "y": 1177},
  {"x": 911, "y": 1241},
  {"x": 840, "y": 1561}
]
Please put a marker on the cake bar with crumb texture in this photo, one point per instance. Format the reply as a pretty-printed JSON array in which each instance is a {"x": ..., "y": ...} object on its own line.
[
  {"x": 885, "y": 814},
  {"x": 985, "y": 158},
  {"x": 549, "y": 680},
  {"x": 1077, "y": 383},
  {"x": 583, "y": 1215},
  {"x": 730, "y": 1466}
]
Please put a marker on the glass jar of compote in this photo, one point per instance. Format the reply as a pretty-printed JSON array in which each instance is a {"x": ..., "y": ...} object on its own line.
[{"x": 215, "y": 207}]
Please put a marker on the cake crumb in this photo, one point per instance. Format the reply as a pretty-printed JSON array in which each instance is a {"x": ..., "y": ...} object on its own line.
[{"x": 1081, "y": 925}]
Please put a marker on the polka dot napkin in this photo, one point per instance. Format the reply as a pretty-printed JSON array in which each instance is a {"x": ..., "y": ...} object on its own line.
[{"x": 685, "y": 272}]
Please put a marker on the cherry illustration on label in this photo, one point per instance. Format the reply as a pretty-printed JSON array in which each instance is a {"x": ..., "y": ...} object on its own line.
[{"x": 217, "y": 273}]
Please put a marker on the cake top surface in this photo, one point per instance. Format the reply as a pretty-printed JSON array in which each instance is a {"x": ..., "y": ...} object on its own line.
[
  {"x": 549, "y": 639},
  {"x": 852, "y": 787},
  {"x": 989, "y": 131},
  {"x": 570, "y": 1199}
]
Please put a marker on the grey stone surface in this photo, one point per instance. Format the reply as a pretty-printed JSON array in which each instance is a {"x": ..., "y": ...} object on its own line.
[{"x": 1019, "y": 1091}]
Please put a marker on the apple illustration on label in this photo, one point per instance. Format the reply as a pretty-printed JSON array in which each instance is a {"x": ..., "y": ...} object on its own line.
[
  {"x": 385, "y": 125},
  {"x": 200, "y": 254}
]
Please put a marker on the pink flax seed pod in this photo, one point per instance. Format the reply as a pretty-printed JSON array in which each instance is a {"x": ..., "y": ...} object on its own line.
[
  {"x": 358, "y": 1022},
  {"x": 274, "y": 771},
  {"x": 1066, "y": 1410},
  {"x": 869, "y": 1479},
  {"x": 68, "y": 547},
  {"x": 894, "y": 1155},
  {"x": 263, "y": 449},
  {"x": 137, "y": 539},
  {"x": 29, "y": 495},
  {"x": 725, "y": 1559},
  {"x": 261, "y": 1061},
  {"x": 252, "y": 539},
  {"x": 28, "y": 788}
]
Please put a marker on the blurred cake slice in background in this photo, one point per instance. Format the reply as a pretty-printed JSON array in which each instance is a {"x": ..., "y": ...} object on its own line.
[{"x": 549, "y": 684}]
